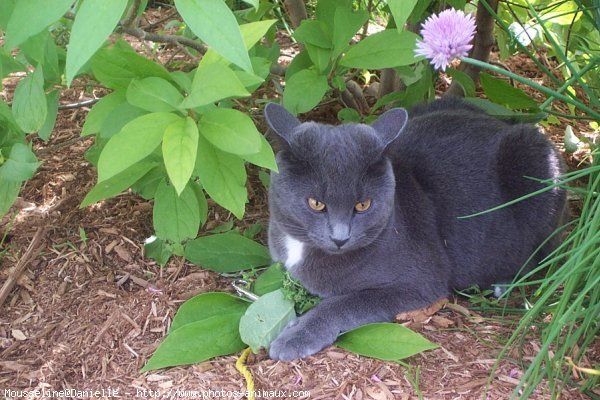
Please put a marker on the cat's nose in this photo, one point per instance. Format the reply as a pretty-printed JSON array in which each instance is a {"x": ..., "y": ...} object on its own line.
[{"x": 339, "y": 242}]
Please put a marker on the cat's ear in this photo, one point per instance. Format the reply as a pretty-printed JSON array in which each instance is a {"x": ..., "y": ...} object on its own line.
[
  {"x": 280, "y": 120},
  {"x": 390, "y": 124}
]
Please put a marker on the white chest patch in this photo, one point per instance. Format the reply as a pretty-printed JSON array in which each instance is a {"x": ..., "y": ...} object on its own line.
[{"x": 294, "y": 249}]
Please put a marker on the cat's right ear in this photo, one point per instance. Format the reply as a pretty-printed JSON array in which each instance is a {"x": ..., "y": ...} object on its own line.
[
  {"x": 280, "y": 121},
  {"x": 390, "y": 124}
]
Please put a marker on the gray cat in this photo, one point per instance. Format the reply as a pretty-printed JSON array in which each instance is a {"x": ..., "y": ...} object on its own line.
[{"x": 366, "y": 216}]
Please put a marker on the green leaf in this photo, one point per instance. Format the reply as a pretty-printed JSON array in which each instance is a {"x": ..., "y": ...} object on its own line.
[
  {"x": 265, "y": 319},
  {"x": 231, "y": 131},
  {"x": 223, "y": 176},
  {"x": 146, "y": 186},
  {"x": 94, "y": 22},
  {"x": 117, "y": 183},
  {"x": 346, "y": 24},
  {"x": 29, "y": 102},
  {"x": 138, "y": 139},
  {"x": 6, "y": 10},
  {"x": 32, "y": 17},
  {"x": 304, "y": 90},
  {"x": 264, "y": 158},
  {"x": 180, "y": 144},
  {"x": 385, "y": 341},
  {"x": 254, "y": 31},
  {"x": 197, "y": 342},
  {"x": 348, "y": 115},
  {"x": 326, "y": 9},
  {"x": 313, "y": 32},
  {"x": 52, "y": 113},
  {"x": 213, "y": 82},
  {"x": 464, "y": 80},
  {"x": 208, "y": 305},
  {"x": 300, "y": 62},
  {"x": 270, "y": 280},
  {"x": 158, "y": 250},
  {"x": 202, "y": 203},
  {"x": 153, "y": 94},
  {"x": 118, "y": 118},
  {"x": 176, "y": 217},
  {"x": 116, "y": 66},
  {"x": 226, "y": 252},
  {"x": 320, "y": 57},
  {"x": 20, "y": 165},
  {"x": 214, "y": 23},
  {"x": 101, "y": 111},
  {"x": 401, "y": 10},
  {"x": 385, "y": 49},
  {"x": 9, "y": 190},
  {"x": 501, "y": 112},
  {"x": 504, "y": 93}
]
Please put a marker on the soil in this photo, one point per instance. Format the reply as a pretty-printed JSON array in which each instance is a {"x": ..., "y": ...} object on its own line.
[{"x": 89, "y": 308}]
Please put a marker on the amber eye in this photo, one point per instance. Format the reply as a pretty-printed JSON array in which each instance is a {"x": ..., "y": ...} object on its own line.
[
  {"x": 316, "y": 204},
  {"x": 362, "y": 206}
]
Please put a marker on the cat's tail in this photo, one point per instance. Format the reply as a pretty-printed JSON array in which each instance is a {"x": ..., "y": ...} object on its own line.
[{"x": 525, "y": 157}]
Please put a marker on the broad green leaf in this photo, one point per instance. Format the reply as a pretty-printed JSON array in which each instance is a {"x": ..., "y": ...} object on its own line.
[
  {"x": 223, "y": 176},
  {"x": 29, "y": 105},
  {"x": 264, "y": 158},
  {"x": 504, "y": 93},
  {"x": 346, "y": 24},
  {"x": 253, "y": 3},
  {"x": 326, "y": 9},
  {"x": 207, "y": 305},
  {"x": 254, "y": 31},
  {"x": 133, "y": 143},
  {"x": 385, "y": 49},
  {"x": 197, "y": 342},
  {"x": 231, "y": 131},
  {"x": 501, "y": 112},
  {"x": 304, "y": 90},
  {"x": 34, "y": 48},
  {"x": 120, "y": 116},
  {"x": 31, "y": 17},
  {"x": 146, "y": 186},
  {"x": 320, "y": 57},
  {"x": 176, "y": 217},
  {"x": 158, "y": 250},
  {"x": 153, "y": 94},
  {"x": 116, "y": 66},
  {"x": 9, "y": 190},
  {"x": 313, "y": 32},
  {"x": 566, "y": 13},
  {"x": 117, "y": 183},
  {"x": 265, "y": 319},
  {"x": 52, "y": 113},
  {"x": 270, "y": 280},
  {"x": 101, "y": 111},
  {"x": 183, "y": 80},
  {"x": 464, "y": 80},
  {"x": 214, "y": 23},
  {"x": 301, "y": 62},
  {"x": 226, "y": 252},
  {"x": 385, "y": 341},
  {"x": 180, "y": 144},
  {"x": 401, "y": 10},
  {"x": 20, "y": 165},
  {"x": 6, "y": 10},
  {"x": 213, "y": 82},
  {"x": 94, "y": 22}
]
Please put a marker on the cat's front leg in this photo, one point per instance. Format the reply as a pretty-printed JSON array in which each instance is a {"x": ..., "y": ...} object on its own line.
[{"x": 319, "y": 327}]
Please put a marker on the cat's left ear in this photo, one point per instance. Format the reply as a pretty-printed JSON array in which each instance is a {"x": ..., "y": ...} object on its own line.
[
  {"x": 280, "y": 120},
  {"x": 390, "y": 124}
]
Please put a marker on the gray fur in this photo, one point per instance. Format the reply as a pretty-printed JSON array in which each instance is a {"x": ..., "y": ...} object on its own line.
[{"x": 409, "y": 249}]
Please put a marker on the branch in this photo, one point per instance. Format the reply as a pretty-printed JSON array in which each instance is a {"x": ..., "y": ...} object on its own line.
[{"x": 158, "y": 38}]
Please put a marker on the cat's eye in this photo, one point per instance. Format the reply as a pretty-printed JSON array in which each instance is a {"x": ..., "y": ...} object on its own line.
[
  {"x": 362, "y": 206},
  {"x": 316, "y": 204}
]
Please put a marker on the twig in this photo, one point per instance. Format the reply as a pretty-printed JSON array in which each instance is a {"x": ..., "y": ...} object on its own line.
[
  {"x": 158, "y": 38},
  {"x": 84, "y": 103},
  {"x": 32, "y": 251}
]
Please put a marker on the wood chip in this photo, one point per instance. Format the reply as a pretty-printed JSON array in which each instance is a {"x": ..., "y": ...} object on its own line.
[{"x": 18, "y": 334}]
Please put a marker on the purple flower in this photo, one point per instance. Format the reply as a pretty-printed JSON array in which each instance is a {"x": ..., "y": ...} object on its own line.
[{"x": 446, "y": 36}]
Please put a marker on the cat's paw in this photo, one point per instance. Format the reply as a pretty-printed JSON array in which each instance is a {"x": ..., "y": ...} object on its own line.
[{"x": 299, "y": 341}]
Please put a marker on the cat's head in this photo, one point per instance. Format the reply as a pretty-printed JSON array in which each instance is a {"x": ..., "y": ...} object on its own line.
[{"x": 335, "y": 186}]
